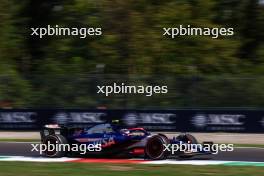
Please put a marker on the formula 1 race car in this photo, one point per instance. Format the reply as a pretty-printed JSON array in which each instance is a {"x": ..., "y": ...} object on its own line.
[{"x": 113, "y": 141}]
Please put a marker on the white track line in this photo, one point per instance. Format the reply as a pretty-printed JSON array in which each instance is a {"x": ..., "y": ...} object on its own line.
[
  {"x": 189, "y": 162},
  {"x": 36, "y": 159},
  {"x": 178, "y": 162}
]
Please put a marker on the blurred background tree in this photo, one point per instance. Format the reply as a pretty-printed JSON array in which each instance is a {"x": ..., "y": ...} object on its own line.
[{"x": 199, "y": 71}]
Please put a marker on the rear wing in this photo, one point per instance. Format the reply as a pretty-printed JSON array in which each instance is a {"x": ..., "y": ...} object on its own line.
[{"x": 52, "y": 129}]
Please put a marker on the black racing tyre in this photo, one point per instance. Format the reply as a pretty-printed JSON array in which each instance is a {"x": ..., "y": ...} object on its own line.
[
  {"x": 187, "y": 138},
  {"x": 155, "y": 147},
  {"x": 54, "y": 139}
]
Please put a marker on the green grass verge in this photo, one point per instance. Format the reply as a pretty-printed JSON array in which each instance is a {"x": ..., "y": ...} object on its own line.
[{"x": 82, "y": 169}]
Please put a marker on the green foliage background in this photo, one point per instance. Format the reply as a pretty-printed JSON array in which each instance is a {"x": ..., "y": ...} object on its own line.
[{"x": 199, "y": 71}]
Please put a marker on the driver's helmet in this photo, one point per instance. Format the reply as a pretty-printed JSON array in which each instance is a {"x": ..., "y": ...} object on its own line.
[{"x": 124, "y": 131}]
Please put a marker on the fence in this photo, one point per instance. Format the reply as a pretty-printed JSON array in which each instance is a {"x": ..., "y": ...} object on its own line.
[{"x": 183, "y": 120}]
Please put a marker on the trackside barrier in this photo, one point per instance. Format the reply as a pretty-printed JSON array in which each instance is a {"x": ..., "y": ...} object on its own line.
[{"x": 184, "y": 120}]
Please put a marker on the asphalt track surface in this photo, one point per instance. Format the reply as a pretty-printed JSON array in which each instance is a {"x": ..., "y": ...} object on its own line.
[{"x": 239, "y": 154}]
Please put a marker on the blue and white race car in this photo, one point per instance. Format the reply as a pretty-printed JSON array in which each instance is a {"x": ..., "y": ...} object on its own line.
[{"x": 112, "y": 141}]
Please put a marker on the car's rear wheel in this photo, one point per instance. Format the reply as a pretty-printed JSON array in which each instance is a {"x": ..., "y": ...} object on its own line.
[
  {"x": 53, "y": 141},
  {"x": 155, "y": 147}
]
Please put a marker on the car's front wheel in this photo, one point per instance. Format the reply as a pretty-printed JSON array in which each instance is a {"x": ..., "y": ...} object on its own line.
[{"x": 188, "y": 139}]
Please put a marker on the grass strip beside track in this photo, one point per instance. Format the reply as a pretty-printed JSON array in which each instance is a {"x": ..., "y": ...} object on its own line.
[{"x": 81, "y": 169}]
